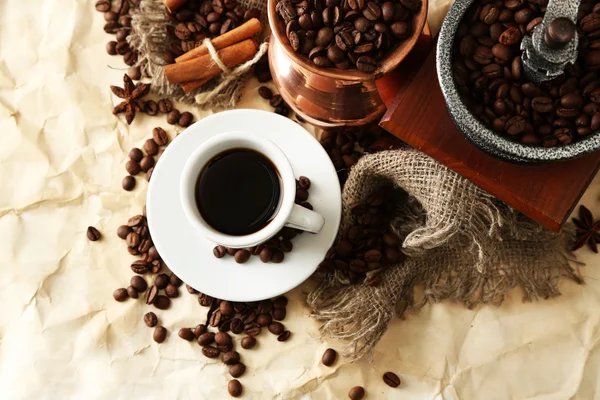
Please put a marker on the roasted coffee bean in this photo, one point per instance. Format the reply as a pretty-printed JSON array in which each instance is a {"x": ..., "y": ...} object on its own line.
[
  {"x": 140, "y": 267},
  {"x": 186, "y": 334},
  {"x": 226, "y": 308},
  {"x": 222, "y": 339},
  {"x": 161, "y": 281},
  {"x": 172, "y": 291},
  {"x": 160, "y": 334},
  {"x": 248, "y": 342},
  {"x": 132, "y": 238},
  {"x": 147, "y": 163},
  {"x": 265, "y": 92},
  {"x": 234, "y": 387},
  {"x": 249, "y": 316},
  {"x": 165, "y": 106},
  {"x": 230, "y": 358},
  {"x": 160, "y": 137},
  {"x": 237, "y": 326},
  {"x": 264, "y": 319},
  {"x": 329, "y": 357},
  {"x": 366, "y": 64},
  {"x": 266, "y": 254},
  {"x": 199, "y": 330},
  {"x": 120, "y": 294},
  {"x": 138, "y": 283},
  {"x": 150, "y": 147},
  {"x": 150, "y": 319},
  {"x": 215, "y": 318},
  {"x": 173, "y": 117},
  {"x": 285, "y": 335},
  {"x": 237, "y": 370},
  {"x": 93, "y": 234},
  {"x": 210, "y": 352},
  {"x": 276, "y": 328},
  {"x": 241, "y": 256},
  {"x": 162, "y": 302},
  {"x": 356, "y": 393},
  {"x": 391, "y": 379},
  {"x": 206, "y": 338},
  {"x": 277, "y": 257},
  {"x": 103, "y": 5},
  {"x": 185, "y": 119},
  {"x": 219, "y": 251},
  {"x": 151, "y": 295},
  {"x": 542, "y": 104},
  {"x": 252, "y": 329}
]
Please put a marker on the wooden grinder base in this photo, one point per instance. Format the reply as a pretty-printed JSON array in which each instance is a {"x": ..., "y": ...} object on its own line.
[{"x": 418, "y": 116}]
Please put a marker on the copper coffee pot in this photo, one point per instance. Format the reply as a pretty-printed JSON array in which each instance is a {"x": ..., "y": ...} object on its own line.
[{"x": 329, "y": 97}]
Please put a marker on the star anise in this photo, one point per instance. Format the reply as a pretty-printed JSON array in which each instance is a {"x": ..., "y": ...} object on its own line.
[
  {"x": 588, "y": 231},
  {"x": 132, "y": 96}
]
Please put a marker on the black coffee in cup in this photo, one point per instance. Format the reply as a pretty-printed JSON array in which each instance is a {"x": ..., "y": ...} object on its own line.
[{"x": 238, "y": 192}]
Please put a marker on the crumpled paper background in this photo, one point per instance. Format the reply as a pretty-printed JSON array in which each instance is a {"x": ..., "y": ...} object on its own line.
[{"x": 62, "y": 336}]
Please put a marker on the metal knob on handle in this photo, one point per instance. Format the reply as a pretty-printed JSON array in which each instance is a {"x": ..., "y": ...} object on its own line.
[{"x": 553, "y": 44}]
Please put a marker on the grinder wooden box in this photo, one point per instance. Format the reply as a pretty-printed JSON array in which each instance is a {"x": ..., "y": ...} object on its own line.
[{"x": 418, "y": 115}]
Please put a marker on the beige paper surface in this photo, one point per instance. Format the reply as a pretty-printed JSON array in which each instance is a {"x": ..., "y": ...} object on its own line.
[{"x": 62, "y": 336}]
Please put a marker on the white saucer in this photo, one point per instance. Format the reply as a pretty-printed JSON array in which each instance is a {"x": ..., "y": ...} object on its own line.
[{"x": 190, "y": 256}]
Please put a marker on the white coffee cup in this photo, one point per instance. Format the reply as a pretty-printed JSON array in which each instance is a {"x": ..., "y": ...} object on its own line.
[{"x": 287, "y": 214}]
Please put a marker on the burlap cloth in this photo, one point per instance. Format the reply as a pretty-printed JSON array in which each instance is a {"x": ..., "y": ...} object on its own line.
[
  {"x": 462, "y": 245},
  {"x": 150, "y": 39}
]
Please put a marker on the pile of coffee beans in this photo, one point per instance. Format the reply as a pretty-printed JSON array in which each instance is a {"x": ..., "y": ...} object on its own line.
[
  {"x": 367, "y": 246},
  {"x": 346, "y": 146},
  {"x": 199, "y": 19},
  {"x": 117, "y": 14},
  {"x": 274, "y": 249},
  {"x": 347, "y": 33},
  {"x": 489, "y": 74}
]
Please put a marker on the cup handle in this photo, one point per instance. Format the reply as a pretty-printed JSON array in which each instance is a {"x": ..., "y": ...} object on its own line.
[{"x": 305, "y": 219}]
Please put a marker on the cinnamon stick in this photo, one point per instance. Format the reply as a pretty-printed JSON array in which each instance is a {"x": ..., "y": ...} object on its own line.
[
  {"x": 242, "y": 32},
  {"x": 204, "y": 67},
  {"x": 173, "y": 5},
  {"x": 190, "y": 86}
]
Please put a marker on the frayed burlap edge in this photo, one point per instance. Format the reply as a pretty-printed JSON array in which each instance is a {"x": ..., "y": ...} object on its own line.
[
  {"x": 463, "y": 245},
  {"x": 150, "y": 40}
]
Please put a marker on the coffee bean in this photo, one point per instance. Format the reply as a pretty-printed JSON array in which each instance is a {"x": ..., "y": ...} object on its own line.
[
  {"x": 265, "y": 306},
  {"x": 138, "y": 283},
  {"x": 159, "y": 137},
  {"x": 103, "y": 5},
  {"x": 186, "y": 334},
  {"x": 210, "y": 352},
  {"x": 230, "y": 358},
  {"x": 161, "y": 281},
  {"x": 252, "y": 329},
  {"x": 160, "y": 334},
  {"x": 356, "y": 393},
  {"x": 391, "y": 379},
  {"x": 120, "y": 294},
  {"x": 277, "y": 257},
  {"x": 199, "y": 330},
  {"x": 206, "y": 338},
  {"x": 276, "y": 328},
  {"x": 162, "y": 302},
  {"x": 266, "y": 254},
  {"x": 248, "y": 342},
  {"x": 93, "y": 234},
  {"x": 237, "y": 326},
  {"x": 265, "y": 92},
  {"x": 516, "y": 68},
  {"x": 284, "y": 336},
  {"x": 372, "y": 11},
  {"x": 329, "y": 357},
  {"x": 264, "y": 319},
  {"x": 222, "y": 339},
  {"x": 185, "y": 119},
  {"x": 219, "y": 251},
  {"x": 111, "y": 48},
  {"x": 542, "y": 104},
  {"x": 237, "y": 370},
  {"x": 151, "y": 148},
  {"x": 173, "y": 117},
  {"x": 150, "y": 319},
  {"x": 172, "y": 291},
  {"x": 241, "y": 256},
  {"x": 366, "y": 64},
  {"x": 139, "y": 266},
  {"x": 234, "y": 387}
]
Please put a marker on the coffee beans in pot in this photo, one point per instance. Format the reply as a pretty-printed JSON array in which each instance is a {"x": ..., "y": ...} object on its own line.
[
  {"x": 488, "y": 72},
  {"x": 352, "y": 33}
]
